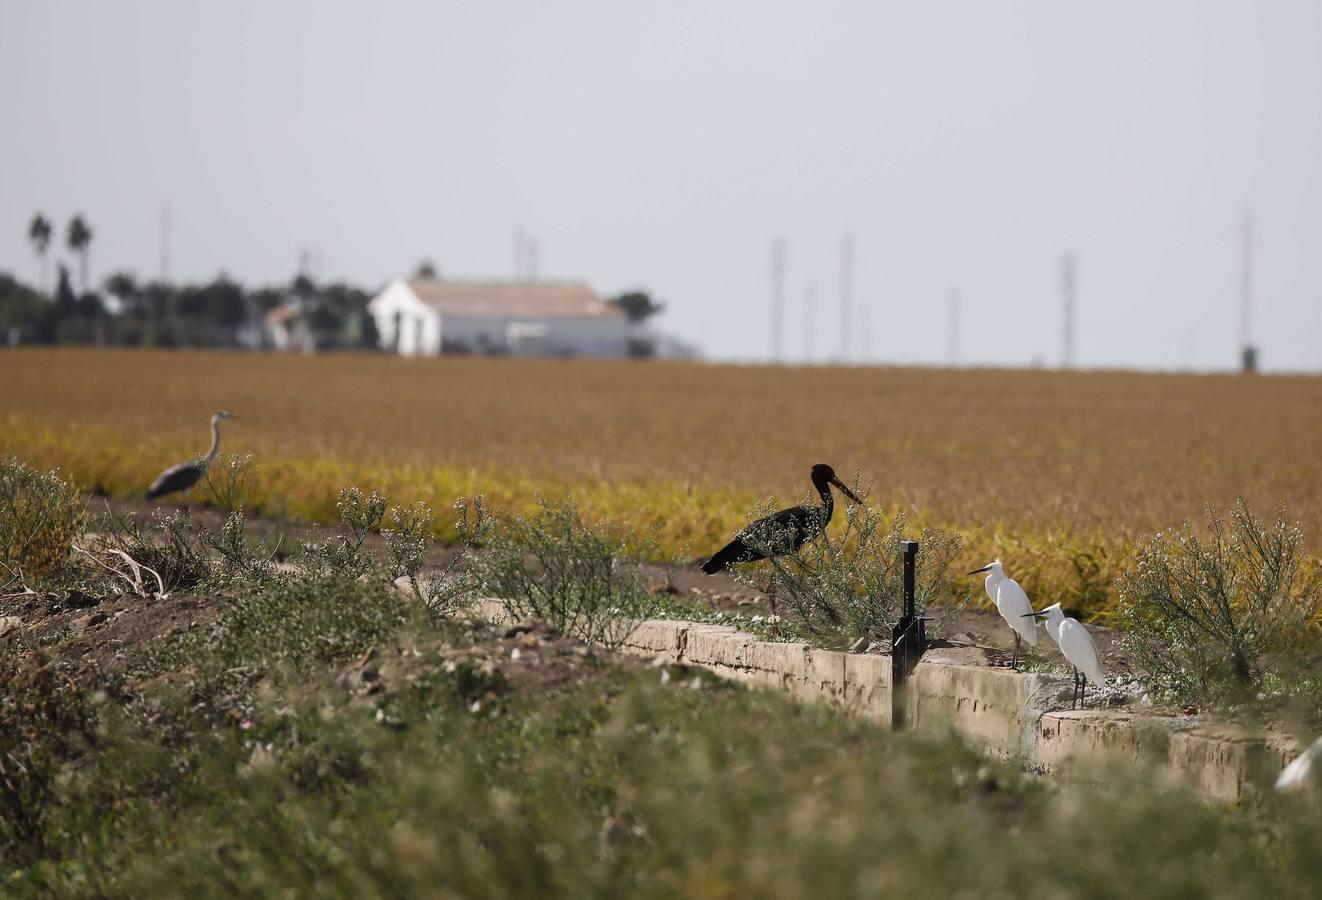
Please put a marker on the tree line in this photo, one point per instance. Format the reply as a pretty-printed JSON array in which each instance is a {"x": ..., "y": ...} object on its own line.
[{"x": 127, "y": 311}]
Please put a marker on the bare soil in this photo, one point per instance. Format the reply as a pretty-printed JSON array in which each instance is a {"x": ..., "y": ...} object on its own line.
[{"x": 527, "y": 659}]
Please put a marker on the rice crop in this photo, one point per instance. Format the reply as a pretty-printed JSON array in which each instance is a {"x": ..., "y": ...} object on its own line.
[{"x": 1056, "y": 472}]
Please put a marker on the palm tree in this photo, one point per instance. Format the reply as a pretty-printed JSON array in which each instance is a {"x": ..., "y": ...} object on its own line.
[
  {"x": 79, "y": 239},
  {"x": 39, "y": 232}
]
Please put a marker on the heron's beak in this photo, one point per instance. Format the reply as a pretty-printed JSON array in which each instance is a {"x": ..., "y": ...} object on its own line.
[
  {"x": 986, "y": 568},
  {"x": 846, "y": 491},
  {"x": 1035, "y": 615}
]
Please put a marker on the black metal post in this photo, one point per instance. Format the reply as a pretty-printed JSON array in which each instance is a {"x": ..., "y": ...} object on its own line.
[
  {"x": 910, "y": 550},
  {"x": 908, "y": 637}
]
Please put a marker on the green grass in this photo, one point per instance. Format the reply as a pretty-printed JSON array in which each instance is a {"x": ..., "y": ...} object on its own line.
[{"x": 619, "y": 783}]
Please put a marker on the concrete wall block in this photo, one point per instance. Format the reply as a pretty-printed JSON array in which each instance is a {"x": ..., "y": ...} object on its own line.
[
  {"x": 868, "y": 685},
  {"x": 824, "y": 676},
  {"x": 987, "y": 707},
  {"x": 1004, "y": 713},
  {"x": 1220, "y": 760},
  {"x": 786, "y": 661},
  {"x": 666, "y": 636},
  {"x": 1069, "y": 735},
  {"x": 718, "y": 645}
]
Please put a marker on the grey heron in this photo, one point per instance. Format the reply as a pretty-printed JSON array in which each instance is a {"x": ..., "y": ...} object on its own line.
[{"x": 185, "y": 475}]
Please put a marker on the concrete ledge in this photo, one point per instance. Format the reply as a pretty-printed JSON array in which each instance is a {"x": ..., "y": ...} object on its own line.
[
  {"x": 996, "y": 710},
  {"x": 1003, "y": 713}
]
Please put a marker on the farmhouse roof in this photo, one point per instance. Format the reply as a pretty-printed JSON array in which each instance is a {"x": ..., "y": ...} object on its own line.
[{"x": 512, "y": 299}]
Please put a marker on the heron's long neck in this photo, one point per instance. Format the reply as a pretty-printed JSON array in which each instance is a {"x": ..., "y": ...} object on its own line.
[{"x": 215, "y": 442}]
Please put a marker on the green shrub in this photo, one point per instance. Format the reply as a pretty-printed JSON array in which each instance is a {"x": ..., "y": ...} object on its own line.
[
  {"x": 166, "y": 543},
  {"x": 407, "y": 540},
  {"x": 292, "y": 623},
  {"x": 552, "y": 565},
  {"x": 41, "y": 517},
  {"x": 1209, "y": 615},
  {"x": 230, "y": 480},
  {"x": 347, "y": 554},
  {"x": 851, "y": 585},
  {"x": 632, "y": 789},
  {"x": 46, "y": 720}
]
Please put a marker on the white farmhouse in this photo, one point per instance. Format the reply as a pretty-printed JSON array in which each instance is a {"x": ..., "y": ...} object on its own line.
[{"x": 429, "y": 316}]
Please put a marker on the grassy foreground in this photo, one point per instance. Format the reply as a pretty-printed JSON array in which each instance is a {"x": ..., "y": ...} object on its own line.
[
  {"x": 325, "y": 738},
  {"x": 1058, "y": 472}
]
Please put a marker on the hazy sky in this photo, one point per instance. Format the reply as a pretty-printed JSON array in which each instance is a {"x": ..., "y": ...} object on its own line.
[{"x": 664, "y": 145}]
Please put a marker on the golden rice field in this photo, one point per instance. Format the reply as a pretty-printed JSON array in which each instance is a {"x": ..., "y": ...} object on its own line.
[{"x": 1057, "y": 472}]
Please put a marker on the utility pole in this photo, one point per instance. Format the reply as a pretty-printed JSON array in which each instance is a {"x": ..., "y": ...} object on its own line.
[
  {"x": 777, "y": 298},
  {"x": 846, "y": 288},
  {"x": 952, "y": 306},
  {"x": 1067, "y": 284},
  {"x": 165, "y": 242},
  {"x": 521, "y": 266},
  {"x": 809, "y": 319},
  {"x": 864, "y": 327},
  {"x": 532, "y": 259},
  {"x": 1248, "y": 353}
]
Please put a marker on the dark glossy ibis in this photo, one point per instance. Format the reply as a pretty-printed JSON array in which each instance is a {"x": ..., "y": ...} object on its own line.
[{"x": 783, "y": 532}]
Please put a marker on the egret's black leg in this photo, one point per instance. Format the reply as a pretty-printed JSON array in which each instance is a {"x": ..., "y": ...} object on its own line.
[{"x": 1014, "y": 658}]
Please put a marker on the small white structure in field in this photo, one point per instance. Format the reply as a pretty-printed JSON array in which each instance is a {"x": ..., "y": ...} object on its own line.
[
  {"x": 431, "y": 316},
  {"x": 285, "y": 328},
  {"x": 1012, "y": 603}
]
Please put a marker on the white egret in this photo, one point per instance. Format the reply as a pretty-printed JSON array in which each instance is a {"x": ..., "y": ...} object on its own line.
[
  {"x": 1012, "y": 603},
  {"x": 185, "y": 475},
  {"x": 1076, "y": 645},
  {"x": 1297, "y": 773}
]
